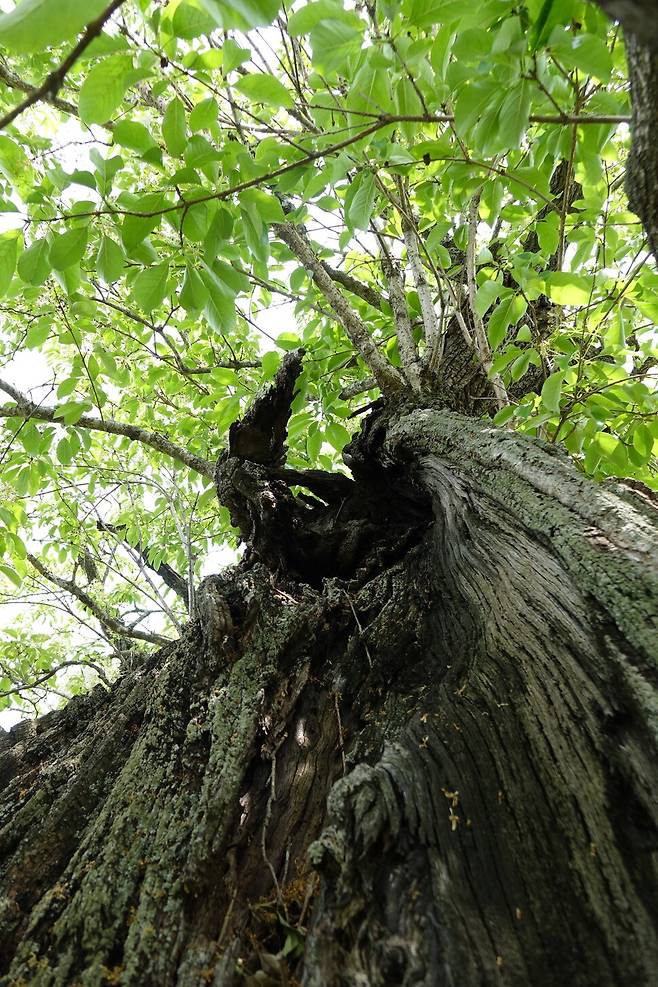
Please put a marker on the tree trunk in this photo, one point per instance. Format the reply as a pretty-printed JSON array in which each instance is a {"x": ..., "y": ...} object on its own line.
[{"x": 418, "y": 748}]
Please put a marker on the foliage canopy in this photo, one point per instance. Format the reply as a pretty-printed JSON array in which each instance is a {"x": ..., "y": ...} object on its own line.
[{"x": 441, "y": 162}]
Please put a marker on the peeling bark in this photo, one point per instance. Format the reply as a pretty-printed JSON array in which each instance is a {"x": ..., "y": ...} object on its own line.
[{"x": 422, "y": 750}]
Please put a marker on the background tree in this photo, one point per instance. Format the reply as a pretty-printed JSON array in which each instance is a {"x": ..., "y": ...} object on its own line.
[{"x": 410, "y": 736}]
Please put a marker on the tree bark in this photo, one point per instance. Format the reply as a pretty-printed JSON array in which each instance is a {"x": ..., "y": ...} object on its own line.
[
  {"x": 640, "y": 23},
  {"x": 419, "y": 746}
]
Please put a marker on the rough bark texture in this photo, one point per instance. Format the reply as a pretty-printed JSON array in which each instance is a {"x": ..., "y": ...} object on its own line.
[
  {"x": 639, "y": 19},
  {"x": 417, "y": 745}
]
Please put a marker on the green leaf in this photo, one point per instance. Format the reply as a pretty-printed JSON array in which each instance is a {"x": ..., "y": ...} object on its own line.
[
  {"x": 38, "y": 333},
  {"x": 34, "y": 264},
  {"x": 190, "y": 22},
  {"x": 150, "y": 286},
  {"x": 304, "y": 20},
  {"x": 358, "y": 210},
  {"x": 337, "y": 435},
  {"x": 585, "y": 52},
  {"x": 242, "y": 14},
  {"x": 127, "y": 133},
  {"x": 174, "y": 128},
  {"x": 135, "y": 228},
  {"x": 264, "y": 88},
  {"x": 270, "y": 364},
  {"x": 513, "y": 117},
  {"x": 110, "y": 260},
  {"x": 568, "y": 289},
  {"x": 204, "y": 114},
  {"x": 486, "y": 295},
  {"x": 551, "y": 391},
  {"x": 548, "y": 234},
  {"x": 643, "y": 440},
  {"x": 194, "y": 293},
  {"x": 506, "y": 313},
  {"x": 334, "y": 43},
  {"x": 68, "y": 248},
  {"x": 233, "y": 55},
  {"x": 544, "y": 22},
  {"x": 11, "y": 574},
  {"x": 103, "y": 89},
  {"x": 34, "y": 25},
  {"x": 408, "y": 104},
  {"x": 265, "y": 205},
  {"x": 8, "y": 255}
]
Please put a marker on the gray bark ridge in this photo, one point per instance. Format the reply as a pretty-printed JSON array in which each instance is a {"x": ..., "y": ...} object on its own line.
[{"x": 517, "y": 806}]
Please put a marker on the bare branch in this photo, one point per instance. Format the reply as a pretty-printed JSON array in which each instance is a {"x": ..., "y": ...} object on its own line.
[
  {"x": 357, "y": 387},
  {"x": 359, "y": 288},
  {"x": 427, "y": 311},
  {"x": 166, "y": 573},
  {"x": 18, "y": 689}
]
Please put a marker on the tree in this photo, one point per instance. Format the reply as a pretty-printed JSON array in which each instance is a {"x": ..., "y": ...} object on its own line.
[{"x": 409, "y": 737}]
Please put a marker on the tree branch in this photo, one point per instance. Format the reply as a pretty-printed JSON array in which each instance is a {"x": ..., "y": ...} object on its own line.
[
  {"x": 168, "y": 575},
  {"x": 481, "y": 340},
  {"x": 406, "y": 343},
  {"x": 53, "y": 82},
  {"x": 18, "y": 689},
  {"x": 112, "y": 624},
  {"x": 359, "y": 288},
  {"x": 14, "y": 82},
  {"x": 25, "y": 408},
  {"x": 388, "y": 377}
]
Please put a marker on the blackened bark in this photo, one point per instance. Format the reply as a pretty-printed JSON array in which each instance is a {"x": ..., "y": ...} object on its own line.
[{"x": 436, "y": 766}]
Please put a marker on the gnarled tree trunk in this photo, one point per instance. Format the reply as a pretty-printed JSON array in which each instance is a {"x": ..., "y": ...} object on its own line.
[{"x": 410, "y": 739}]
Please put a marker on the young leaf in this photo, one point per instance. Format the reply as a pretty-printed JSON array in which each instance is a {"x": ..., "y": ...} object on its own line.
[
  {"x": 204, "y": 114},
  {"x": 334, "y": 42},
  {"x": 550, "y": 392},
  {"x": 242, "y": 14},
  {"x": 34, "y": 264},
  {"x": 487, "y": 293},
  {"x": 8, "y": 254},
  {"x": 568, "y": 289},
  {"x": 506, "y": 313},
  {"x": 513, "y": 117},
  {"x": 68, "y": 248},
  {"x": 134, "y": 135},
  {"x": 194, "y": 293}
]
